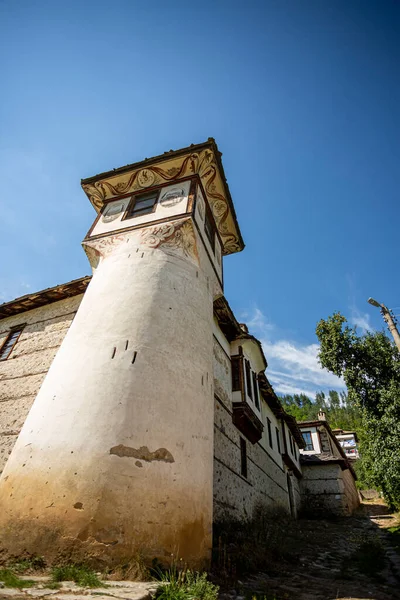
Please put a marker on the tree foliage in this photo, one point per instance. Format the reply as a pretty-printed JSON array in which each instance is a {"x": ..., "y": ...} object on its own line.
[
  {"x": 340, "y": 411},
  {"x": 370, "y": 367}
]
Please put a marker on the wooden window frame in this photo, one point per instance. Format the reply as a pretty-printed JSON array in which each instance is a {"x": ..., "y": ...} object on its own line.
[
  {"x": 255, "y": 390},
  {"x": 249, "y": 387},
  {"x": 19, "y": 328},
  {"x": 129, "y": 214},
  {"x": 243, "y": 458},
  {"x": 269, "y": 433}
]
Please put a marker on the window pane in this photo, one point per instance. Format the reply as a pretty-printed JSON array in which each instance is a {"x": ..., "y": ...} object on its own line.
[
  {"x": 248, "y": 380},
  {"x": 143, "y": 203},
  {"x": 9, "y": 343},
  {"x": 236, "y": 374},
  {"x": 308, "y": 440},
  {"x": 142, "y": 211}
]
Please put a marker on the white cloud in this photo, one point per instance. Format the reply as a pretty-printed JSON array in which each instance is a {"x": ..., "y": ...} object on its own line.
[
  {"x": 361, "y": 320},
  {"x": 292, "y": 368},
  {"x": 258, "y": 321}
]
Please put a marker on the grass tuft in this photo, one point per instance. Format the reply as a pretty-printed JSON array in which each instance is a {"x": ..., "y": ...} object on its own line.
[
  {"x": 33, "y": 563},
  {"x": 80, "y": 574},
  {"x": 183, "y": 584},
  {"x": 13, "y": 581}
]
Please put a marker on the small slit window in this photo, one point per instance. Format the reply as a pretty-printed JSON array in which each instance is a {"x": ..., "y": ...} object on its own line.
[
  {"x": 269, "y": 433},
  {"x": 10, "y": 342},
  {"x": 278, "y": 441},
  {"x": 142, "y": 204},
  {"x": 255, "y": 390},
  {"x": 243, "y": 458},
  {"x": 209, "y": 229}
]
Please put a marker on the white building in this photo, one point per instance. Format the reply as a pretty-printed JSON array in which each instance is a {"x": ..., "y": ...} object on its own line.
[
  {"x": 328, "y": 483},
  {"x": 134, "y": 408},
  {"x": 348, "y": 440}
]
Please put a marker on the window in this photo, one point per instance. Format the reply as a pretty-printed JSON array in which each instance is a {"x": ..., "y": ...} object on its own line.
[
  {"x": 209, "y": 229},
  {"x": 141, "y": 205},
  {"x": 291, "y": 443},
  {"x": 236, "y": 387},
  {"x": 255, "y": 390},
  {"x": 269, "y": 433},
  {"x": 243, "y": 458},
  {"x": 278, "y": 441},
  {"x": 248, "y": 379},
  {"x": 308, "y": 440},
  {"x": 10, "y": 342}
]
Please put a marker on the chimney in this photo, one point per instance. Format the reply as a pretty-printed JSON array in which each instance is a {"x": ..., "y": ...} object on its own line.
[{"x": 321, "y": 415}]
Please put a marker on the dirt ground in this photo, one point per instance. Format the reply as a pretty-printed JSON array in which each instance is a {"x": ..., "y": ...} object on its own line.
[{"x": 332, "y": 563}]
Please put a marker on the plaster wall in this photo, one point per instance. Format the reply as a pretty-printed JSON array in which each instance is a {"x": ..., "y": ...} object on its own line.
[
  {"x": 22, "y": 374},
  {"x": 113, "y": 457}
]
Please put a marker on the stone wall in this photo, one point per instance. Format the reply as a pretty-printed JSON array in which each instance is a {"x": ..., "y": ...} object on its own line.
[
  {"x": 351, "y": 495},
  {"x": 236, "y": 495},
  {"x": 22, "y": 374},
  {"x": 328, "y": 491}
]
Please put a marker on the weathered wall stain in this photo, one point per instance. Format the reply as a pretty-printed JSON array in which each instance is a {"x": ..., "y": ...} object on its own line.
[{"x": 143, "y": 453}]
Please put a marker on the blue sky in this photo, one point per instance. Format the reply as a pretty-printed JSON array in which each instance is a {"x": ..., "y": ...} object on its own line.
[{"x": 303, "y": 100}]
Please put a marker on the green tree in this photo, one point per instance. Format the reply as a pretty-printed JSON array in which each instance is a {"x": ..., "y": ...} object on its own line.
[{"x": 370, "y": 366}]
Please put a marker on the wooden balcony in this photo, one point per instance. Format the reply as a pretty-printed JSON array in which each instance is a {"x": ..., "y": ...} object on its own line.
[{"x": 247, "y": 421}]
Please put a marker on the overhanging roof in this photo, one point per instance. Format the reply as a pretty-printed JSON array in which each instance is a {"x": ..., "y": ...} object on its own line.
[
  {"x": 202, "y": 159},
  {"x": 47, "y": 296}
]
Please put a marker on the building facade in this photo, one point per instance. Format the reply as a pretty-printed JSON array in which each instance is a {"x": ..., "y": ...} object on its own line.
[
  {"x": 328, "y": 484},
  {"x": 348, "y": 440},
  {"x": 134, "y": 408}
]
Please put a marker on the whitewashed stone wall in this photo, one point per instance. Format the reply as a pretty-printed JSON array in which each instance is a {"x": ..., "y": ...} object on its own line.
[{"x": 23, "y": 373}]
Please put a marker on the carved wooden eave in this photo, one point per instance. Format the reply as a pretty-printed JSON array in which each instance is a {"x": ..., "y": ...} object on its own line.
[
  {"x": 247, "y": 422},
  {"x": 203, "y": 160},
  {"x": 47, "y": 296}
]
